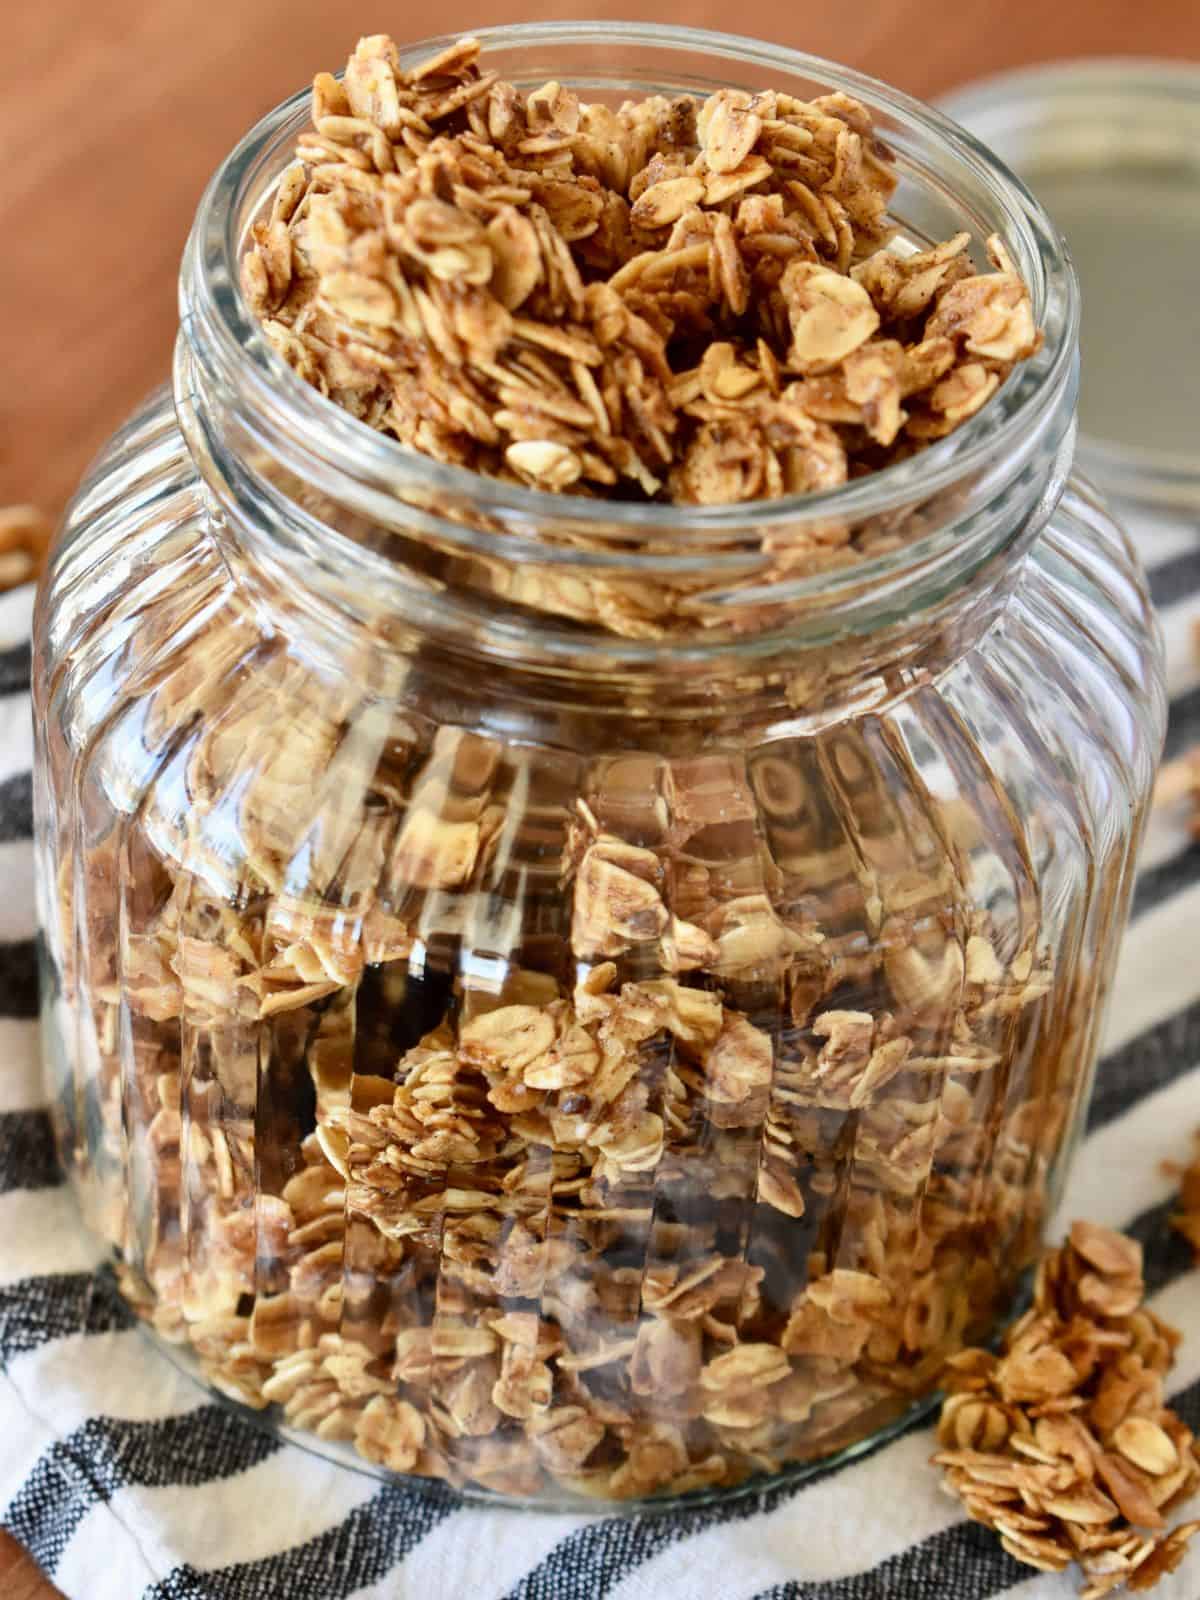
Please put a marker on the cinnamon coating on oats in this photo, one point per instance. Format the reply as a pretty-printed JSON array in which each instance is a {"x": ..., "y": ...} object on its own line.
[
  {"x": 1063, "y": 1443},
  {"x": 673, "y": 300}
]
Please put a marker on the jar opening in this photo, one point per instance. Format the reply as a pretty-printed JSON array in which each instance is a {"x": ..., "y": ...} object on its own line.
[{"x": 956, "y": 497}]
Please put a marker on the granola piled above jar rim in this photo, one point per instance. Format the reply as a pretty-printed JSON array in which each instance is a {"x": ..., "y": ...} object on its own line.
[{"x": 673, "y": 300}]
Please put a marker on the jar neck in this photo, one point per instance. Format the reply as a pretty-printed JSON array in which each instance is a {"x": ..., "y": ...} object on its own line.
[{"x": 346, "y": 530}]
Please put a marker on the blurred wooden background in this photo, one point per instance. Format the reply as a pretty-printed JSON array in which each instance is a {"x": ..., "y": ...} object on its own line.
[{"x": 113, "y": 114}]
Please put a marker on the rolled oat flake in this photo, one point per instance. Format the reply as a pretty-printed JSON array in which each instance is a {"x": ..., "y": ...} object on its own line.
[{"x": 1112, "y": 150}]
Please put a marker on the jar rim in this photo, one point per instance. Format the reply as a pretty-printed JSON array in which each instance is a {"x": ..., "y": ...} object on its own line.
[{"x": 210, "y": 292}]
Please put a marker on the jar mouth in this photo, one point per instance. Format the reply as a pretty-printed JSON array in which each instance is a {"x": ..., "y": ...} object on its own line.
[{"x": 940, "y": 157}]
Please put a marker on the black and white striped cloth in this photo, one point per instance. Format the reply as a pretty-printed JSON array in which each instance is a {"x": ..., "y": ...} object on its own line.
[{"x": 127, "y": 1482}]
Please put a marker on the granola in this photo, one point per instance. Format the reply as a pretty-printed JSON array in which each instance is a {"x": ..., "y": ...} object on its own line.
[
  {"x": 699, "y": 302},
  {"x": 724, "y": 1198},
  {"x": 25, "y": 534},
  {"x": 1063, "y": 1442}
]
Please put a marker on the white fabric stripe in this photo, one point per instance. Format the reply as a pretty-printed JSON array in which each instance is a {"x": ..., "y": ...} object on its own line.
[
  {"x": 16, "y": 616},
  {"x": 73, "y": 1379},
  {"x": 1159, "y": 537},
  {"x": 140, "y": 1386},
  {"x": 26, "y": 1435},
  {"x": 18, "y": 909},
  {"x": 42, "y": 1234},
  {"x": 20, "y": 1068},
  {"x": 1165, "y": 837},
  {"x": 1119, "y": 1171},
  {"x": 473, "y": 1552},
  {"x": 1158, "y": 972},
  {"x": 1183, "y": 648},
  {"x": 16, "y": 736},
  {"x": 29, "y": 1429},
  {"x": 117, "y": 1374},
  {"x": 299, "y": 1497},
  {"x": 124, "y": 1562}
]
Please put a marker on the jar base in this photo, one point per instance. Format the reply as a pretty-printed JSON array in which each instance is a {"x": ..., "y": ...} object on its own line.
[{"x": 343, "y": 1455}]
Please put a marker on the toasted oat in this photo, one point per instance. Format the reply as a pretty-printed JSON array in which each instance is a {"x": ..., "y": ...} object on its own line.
[
  {"x": 1187, "y": 1219},
  {"x": 25, "y": 535},
  {"x": 520, "y": 284},
  {"x": 1063, "y": 1443},
  {"x": 1178, "y": 787}
]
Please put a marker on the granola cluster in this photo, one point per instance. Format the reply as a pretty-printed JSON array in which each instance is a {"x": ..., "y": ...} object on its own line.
[
  {"x": 675, "y": 300},
  {"x": 1063, "y": 1442}
]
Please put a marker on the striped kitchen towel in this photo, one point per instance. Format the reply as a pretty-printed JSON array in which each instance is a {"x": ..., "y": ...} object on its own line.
[{"x": 127, "y": 1483}]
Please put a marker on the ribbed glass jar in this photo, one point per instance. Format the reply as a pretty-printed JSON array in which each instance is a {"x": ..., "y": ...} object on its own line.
[{"x": 529, "y": 996}]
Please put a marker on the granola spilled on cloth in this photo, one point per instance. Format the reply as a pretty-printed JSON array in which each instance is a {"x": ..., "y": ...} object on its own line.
[
  {"x": 1063, "y": 1443},
  {"x": 673, "y": 300}
]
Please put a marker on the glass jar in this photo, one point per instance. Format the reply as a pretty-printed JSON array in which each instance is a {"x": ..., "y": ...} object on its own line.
[{"x": 535, "y": 990}]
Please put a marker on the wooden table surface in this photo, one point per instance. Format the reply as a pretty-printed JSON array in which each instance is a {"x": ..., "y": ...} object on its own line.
[{"x": 113, "y": 113}]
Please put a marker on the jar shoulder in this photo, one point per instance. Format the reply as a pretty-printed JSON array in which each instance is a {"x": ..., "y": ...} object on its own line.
[
  {"x": 1083, "y": 607},
  {"x": 136, "y": 508},
  {"x": 138, "y": 565}
]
